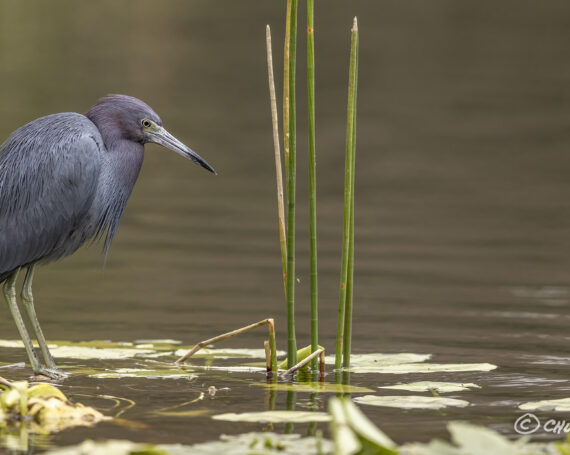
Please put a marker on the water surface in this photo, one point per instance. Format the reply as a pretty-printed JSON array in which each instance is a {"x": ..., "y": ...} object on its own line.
[{"x": 462, "y": 241}]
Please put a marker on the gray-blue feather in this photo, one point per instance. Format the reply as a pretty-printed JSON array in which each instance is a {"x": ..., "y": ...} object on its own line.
[
  {"x": 66, "y": 178},
  {"x": 60, "y": 186},
  {"x": 48, "y": 178}
]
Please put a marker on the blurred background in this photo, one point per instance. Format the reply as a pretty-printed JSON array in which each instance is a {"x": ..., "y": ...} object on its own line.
[{"x": 462, "y": 185}]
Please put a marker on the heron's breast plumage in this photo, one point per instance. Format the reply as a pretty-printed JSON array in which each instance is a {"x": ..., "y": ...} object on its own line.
[{"x": 50, "y": 171}]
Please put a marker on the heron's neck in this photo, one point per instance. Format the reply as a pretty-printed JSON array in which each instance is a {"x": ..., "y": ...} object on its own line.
[{"x": 126, "y": 158}]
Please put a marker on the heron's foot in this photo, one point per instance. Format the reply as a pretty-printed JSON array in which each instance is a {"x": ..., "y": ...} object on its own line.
[{"x": 52, "y": 373}]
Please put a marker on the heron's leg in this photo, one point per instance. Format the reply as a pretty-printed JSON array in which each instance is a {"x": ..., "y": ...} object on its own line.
[
  {"x": 10, "y": 296},
  {"x": 28, "y": 302}
]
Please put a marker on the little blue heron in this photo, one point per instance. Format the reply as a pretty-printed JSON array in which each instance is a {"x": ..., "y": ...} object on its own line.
[{"x": 64, "y": 179}]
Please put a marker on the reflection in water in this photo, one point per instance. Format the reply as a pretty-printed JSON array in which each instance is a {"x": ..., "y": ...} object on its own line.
[{"x": 461, "y": 210}]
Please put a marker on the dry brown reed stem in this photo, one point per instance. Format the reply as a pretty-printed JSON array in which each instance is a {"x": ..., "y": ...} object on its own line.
[
  {"x": 278, "y": 169},
  {"x": 224, "y": 336},
  {"x": 322, "y": 365},
  {"x": 303, "y": 362}
]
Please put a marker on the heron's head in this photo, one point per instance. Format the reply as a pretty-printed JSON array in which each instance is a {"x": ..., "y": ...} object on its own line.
[{"x": 134, "y": 120}]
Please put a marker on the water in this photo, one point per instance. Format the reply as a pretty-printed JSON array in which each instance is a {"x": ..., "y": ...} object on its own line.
[{"x": 462, "y": 195}]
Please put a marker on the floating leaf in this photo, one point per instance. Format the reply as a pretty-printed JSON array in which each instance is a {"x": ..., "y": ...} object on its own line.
[
  {"x": 402, "y": 363},
  {"x": 311, "y": 387},
  {"x": 426, "y": 386},
  {"x": 275, "y": 416},
  {"x": 233, "y": 369},
  {"x": 78, "y": 352},
  {"x": 380, "y": 360},
  {"x": 226, "y": 353},
  {"x": 159, "y": 341},
  {"x": 561, "y": 404},
  {"x": 425, "y": 368},
  {"x": 410, "y": 401},
  {"x": 93, "y": 349},
  {"x": 102, "y": 344},
  {"x": 14, "y": 344},
  {"x": 174, "y": 373}
]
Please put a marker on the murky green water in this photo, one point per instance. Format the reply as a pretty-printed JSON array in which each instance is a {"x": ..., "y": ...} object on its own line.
[{"x": 462, "y": 238}]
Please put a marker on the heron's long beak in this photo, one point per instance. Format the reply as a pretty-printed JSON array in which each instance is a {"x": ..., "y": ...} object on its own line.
[{"x": 163, "y": 137}]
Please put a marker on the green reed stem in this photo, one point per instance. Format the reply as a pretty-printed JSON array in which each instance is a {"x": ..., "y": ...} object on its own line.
[
  {"x": 278, "y": 171},
  {"x": 353, "y": 78},
  {"x": 291, "y": 184},
  {"x": 312, "y": 182},
  {"x": 286, "y": 59},
  {"x": 348, "y": 201}
]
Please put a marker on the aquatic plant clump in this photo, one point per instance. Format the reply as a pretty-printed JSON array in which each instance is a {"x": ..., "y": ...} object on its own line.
[{"x": 42, "y": 406}]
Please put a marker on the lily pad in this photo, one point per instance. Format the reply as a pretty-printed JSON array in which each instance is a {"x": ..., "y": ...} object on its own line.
[
  {"x": 380, "y": 360},
  {"x": 232, "y": 369},
  {"x": 15, "y": 344},
  {"x": 427, "y": 386},
  {"x": 144, "y": 373},
  {"x": 96, "y": 349},
  {"x": 79, "y": 352},
  {"x": 410, "y": 401},
  {"x": 226, "y": 353},
  {"x": 406, "y": 362},
  {"x": 159, "y": 341},
  {"x": 275, "y": 416},
  {"x": 406, "y": 368},
  {"x": 562, "y": 404}
]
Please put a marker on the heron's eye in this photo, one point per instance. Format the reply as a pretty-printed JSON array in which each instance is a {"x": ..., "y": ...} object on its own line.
[{"x": 146, "y": 123}]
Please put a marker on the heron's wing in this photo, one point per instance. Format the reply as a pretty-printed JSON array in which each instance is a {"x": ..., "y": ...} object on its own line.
[{"x": 48, "y": 178}]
